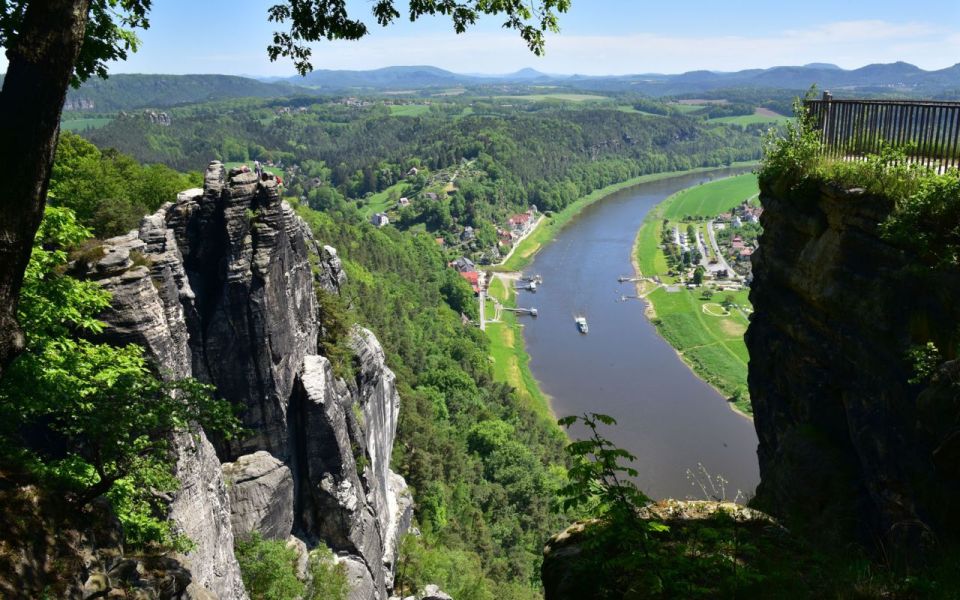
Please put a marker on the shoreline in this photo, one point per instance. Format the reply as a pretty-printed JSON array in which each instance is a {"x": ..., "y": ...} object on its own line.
[{"x": 650, "y": 311}]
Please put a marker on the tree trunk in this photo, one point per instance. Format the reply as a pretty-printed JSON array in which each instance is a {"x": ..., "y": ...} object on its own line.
[{"x": 41, "y": 61}]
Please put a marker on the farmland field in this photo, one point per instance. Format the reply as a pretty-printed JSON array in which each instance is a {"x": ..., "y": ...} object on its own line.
[
  {"x": 84, "y": 124},
  {"x": 761, "y": 115},
  {"x": 408, "y": 110},
  {"x": 711, "y": 199},
  {"x": 563, "y": 97}
]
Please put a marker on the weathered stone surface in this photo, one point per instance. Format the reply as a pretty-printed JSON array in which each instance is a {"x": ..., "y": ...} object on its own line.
[
  {"x": 845, "y": 437},
  {"x": 201, "y": 511},
  {"x": 433, "y": 592},
  {"x": 261, "y": 496},
  {"x": 334, "y": 498},
  {"x": 149, "y": 307},
  {"x": 247, "y": 256},
  {"x": 362, "y": 586},
  {"x": 220, "y": 285},
  {"x": 332, "y": 277}
]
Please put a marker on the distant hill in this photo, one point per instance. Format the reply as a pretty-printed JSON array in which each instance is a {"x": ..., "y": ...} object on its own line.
[
  {"x": 415, "y": 77},
  {"x": 125, "y": 92},
  {"x": 897, "y": 77}
]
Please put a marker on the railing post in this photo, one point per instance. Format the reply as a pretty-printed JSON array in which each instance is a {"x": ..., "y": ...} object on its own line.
[{"x": 826, "y": 113}]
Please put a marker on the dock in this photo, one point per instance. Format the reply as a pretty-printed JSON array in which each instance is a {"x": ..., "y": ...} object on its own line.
[{"x": 522, "y": 311}]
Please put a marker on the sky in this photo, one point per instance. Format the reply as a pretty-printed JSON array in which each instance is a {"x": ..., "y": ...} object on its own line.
[{"x": 598, "y": 37}]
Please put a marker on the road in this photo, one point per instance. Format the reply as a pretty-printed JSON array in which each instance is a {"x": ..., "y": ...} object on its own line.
[{"x": 723, "y": 261}]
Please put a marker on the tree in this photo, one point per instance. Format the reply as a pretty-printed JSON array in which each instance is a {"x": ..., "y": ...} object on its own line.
[
  {"x": 698, "y": 274},
  {"x": 54, "y": 43}
]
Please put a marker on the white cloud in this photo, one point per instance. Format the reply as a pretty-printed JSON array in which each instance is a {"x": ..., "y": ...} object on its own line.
[{"x": 850, "y": 44}]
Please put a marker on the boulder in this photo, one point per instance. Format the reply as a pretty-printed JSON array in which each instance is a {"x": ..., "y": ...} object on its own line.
[{"x": 261, "y": 496}]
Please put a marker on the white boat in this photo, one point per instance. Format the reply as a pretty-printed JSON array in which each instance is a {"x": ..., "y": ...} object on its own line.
[{"x": 582, "y": 324}]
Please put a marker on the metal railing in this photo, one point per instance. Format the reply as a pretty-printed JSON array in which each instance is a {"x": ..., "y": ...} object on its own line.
[{"x": 928, "y": 132}]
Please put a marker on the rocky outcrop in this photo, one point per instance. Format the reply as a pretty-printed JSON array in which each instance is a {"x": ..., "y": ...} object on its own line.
[
  {"x": 586, "y": 563},
  {"x": 851, "y": 441},
  {"x": 349, "y": 496},
  {"x": 151, "y": 298},
  {"x": 49, "y": 549},
  {"x": 220, "y": 286},
  {"x": 261, "y": 496}
]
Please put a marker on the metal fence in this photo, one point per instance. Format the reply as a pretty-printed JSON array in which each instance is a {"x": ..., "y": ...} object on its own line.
[{"x": 928, "y": 132}]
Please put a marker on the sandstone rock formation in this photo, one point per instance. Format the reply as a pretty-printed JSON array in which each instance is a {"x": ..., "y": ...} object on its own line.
[
  {"x": 846, "y": 439},
  {"x": 261, "y": 496},
  {"x": 220, "y": 286}
]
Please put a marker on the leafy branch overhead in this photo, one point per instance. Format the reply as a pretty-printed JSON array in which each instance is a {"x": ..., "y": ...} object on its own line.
[{"x": 314, "y": 20}]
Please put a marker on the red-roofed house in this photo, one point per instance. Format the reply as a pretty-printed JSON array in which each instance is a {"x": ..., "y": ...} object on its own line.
[
  {"x": 519, "y": 220},
  {"x": 473, "y": 278}
]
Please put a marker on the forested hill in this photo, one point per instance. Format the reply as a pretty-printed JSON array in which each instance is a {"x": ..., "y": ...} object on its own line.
[
  {"x": 545, "y": 154},
  {"x": 125, "y": 92}
]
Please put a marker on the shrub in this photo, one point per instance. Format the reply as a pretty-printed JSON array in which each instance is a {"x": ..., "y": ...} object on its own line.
[
  {"x": 268, "y": 568},
  {"x": 327, "y": 578}
]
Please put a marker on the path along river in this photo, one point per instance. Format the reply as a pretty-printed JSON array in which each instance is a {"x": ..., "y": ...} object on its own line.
[{"x": 666, "y": 416}]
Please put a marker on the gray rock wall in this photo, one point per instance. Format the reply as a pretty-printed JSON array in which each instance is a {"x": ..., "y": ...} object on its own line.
[
  {"x": 848, "y": 443},
  {"x": 220, "y": 286}
]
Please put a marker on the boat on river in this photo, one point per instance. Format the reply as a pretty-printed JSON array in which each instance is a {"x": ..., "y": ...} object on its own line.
[{"x": 582, "y": 324}]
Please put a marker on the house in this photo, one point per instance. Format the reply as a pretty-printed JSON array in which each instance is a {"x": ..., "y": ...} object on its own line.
[
  {"x": 737, "y": 222},
  {"x": 745, "y": 253},
  {"x": 519, "y": 221},
  {"x": 380, "y": 219},
  {"x": 473, "y": 278},
  {"x": 412, "y": 172},
  {"x": 403, "y": 202},
  {"x": 463, "y": 265},
  {"x": 440, "y": 241},
  {"x": 468, "y": 234}
]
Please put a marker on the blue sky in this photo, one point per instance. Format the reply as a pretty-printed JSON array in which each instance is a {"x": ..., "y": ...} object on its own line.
[{"x": 597, "y": 37}]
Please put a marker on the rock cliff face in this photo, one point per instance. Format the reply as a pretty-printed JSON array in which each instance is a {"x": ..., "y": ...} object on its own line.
[
  {"x": 220, "y": 286},
  {"x": 845, "y": 438}
]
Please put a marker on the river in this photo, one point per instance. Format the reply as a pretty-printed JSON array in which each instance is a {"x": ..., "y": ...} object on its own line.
[{"x": 671, "y": 420}]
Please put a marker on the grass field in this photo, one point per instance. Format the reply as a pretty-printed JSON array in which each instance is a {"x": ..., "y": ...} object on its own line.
[
  {"x": 688, "y": 108},
  {"x": 549, "y": 228},
  {"x": 711, "y": 199},
  {"x": 751, "y": 119},
  {"x": 510, "y": 358},
  {"x": 84, "y": 124},
  {"x": 408, "y": 110},
  {"x": 709, "y": 339},
  {"x": 381, "y": 201},
  {"x": 561, "y": 97}
]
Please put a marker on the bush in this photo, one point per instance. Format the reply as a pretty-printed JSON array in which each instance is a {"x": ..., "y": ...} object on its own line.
[
  {"x": 327, "y": 578},
  {"x": 268, "y": 568}
]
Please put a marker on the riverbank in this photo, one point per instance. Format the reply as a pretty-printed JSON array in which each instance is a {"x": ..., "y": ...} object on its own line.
[
  {"x": 511, "y": 363},
  {"x": 549, "y": 227},
  {"x": 704, "y": 325}
]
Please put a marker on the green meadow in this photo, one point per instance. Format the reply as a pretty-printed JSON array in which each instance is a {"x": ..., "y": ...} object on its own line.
[
  {"x": 711, "y": 199},
  {"x": 708, "y": 336}
]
